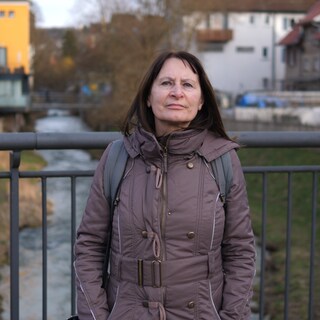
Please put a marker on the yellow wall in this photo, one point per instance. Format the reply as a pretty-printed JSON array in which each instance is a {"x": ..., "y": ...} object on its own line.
[{"x": 15, "y": 33}]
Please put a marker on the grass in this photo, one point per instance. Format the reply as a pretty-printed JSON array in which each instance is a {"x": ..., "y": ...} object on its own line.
[{"x": 276, "y": 227}]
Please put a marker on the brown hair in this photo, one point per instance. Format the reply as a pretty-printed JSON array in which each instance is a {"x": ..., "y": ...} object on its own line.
[{"x": 207, "y": 118}]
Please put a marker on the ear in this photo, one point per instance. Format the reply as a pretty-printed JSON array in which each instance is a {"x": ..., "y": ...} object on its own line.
[
  {"x": 201, "y": 104},
  {"x": 148, "y": 103}
]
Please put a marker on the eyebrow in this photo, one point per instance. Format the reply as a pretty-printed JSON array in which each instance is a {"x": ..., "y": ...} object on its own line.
[{"x": 183, "y": 80}]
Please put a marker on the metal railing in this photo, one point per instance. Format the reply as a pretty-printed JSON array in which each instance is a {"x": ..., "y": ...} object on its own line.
[{"x": 17, "y": 142}]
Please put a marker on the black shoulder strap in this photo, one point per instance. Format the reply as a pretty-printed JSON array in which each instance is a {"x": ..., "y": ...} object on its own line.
[
  {"x": 113, "y": 172},
  {"x": 222, "y": 170}
]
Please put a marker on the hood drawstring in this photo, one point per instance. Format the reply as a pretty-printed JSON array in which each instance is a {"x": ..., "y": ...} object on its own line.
[
  {"x": 158, "y": 178},
  {"x": 156, "y": 246},
  {"x": 155, "y": 242}
]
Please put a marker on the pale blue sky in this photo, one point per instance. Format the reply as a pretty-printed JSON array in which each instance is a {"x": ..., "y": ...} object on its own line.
[{"x": 56, "y": 13}]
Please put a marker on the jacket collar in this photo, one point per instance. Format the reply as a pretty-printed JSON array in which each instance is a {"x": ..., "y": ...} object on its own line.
[{"x": 186, "y": 142}]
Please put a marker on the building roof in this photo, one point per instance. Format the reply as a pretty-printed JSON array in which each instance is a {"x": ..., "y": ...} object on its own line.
[
  {"x": 294, "y": 36},
  {"x": 312, "y": 13},
  {"x": 248, "y": 5}
]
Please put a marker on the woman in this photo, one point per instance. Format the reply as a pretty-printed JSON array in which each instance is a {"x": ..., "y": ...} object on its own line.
[{"x": 177, "y": 251}]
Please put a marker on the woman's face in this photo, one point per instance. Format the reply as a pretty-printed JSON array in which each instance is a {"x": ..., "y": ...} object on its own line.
[{"x": 175, "y": 97}]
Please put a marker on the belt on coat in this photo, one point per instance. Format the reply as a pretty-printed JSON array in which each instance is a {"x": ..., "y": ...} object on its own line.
[{"x": 157, "y": 273}]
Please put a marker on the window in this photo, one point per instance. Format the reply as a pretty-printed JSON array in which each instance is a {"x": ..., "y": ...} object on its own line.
[
  {"x": 285, "y": 23},
  {"x": 3, "y": 57},
  {"x": 251, "y": 19},
  {"x": 210, "y": 46},
  {"x": 225, "y": 21},
  {"x": 283, "y": 55},
  {"x": 2, "y": 14},
  {"x": 265, "y": 52},
  {"x": 208, "y": 21},
  {"x": 11, "y": 14},
  {"x": 265, "y": 83},
  {"x": 245, "y": 49},
  {"x": 267, "y": 19}
]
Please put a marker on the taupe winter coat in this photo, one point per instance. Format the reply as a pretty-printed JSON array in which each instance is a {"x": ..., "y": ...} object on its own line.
[{"x": 176, "y": 254}]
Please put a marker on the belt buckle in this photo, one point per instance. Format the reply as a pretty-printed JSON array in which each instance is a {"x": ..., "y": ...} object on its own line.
[
  {"x": 140, "y": 272},
  {"x": 153, "y": 273}
]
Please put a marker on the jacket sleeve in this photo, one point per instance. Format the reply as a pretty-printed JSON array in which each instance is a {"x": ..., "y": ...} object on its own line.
[
  {"x": 238, "y": 249},
  {"x": 90, "y": 250}
]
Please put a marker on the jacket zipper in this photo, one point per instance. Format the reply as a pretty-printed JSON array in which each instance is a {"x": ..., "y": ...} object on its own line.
[
  {"x": 164, "y": 212},
  {"x": 214, "y": 220},
  {"x": 164, "y": 192},
  {"x": 212, "y": 302},
  {"x": 84, "y": 293}
]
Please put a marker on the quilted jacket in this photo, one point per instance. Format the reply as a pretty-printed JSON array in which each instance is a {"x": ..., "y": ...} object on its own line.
[{"x": 177, "y": 251}]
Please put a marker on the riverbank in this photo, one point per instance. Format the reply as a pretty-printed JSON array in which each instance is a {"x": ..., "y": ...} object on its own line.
[
  {"x": 58, "y": 231},
  {"x": 30, "y": 202}
]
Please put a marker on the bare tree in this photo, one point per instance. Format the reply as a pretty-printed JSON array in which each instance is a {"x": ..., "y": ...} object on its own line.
[
  {"x": 129, "y": 42},
  {"x": 99, "y": 11}
]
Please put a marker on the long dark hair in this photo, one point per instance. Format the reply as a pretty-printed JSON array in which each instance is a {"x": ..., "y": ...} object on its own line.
[{"x": 207, "y": 118}]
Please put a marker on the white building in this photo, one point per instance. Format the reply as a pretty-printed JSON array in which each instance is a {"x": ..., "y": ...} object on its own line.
[{"x": 239, "y": 49}]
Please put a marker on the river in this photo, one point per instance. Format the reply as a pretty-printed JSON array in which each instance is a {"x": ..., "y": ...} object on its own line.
[{"x": 59, "y": 235}]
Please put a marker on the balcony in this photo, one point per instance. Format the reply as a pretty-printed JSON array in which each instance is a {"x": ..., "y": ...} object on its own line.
[{"x": 214, "y": 35}]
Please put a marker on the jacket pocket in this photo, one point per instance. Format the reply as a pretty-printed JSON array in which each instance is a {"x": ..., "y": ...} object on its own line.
[
  {"x": 206, "y": 307},
  {"x": 215, "y": 299}
]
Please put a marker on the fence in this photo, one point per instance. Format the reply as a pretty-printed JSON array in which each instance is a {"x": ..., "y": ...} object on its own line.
[{"x": 17, "y": 142}]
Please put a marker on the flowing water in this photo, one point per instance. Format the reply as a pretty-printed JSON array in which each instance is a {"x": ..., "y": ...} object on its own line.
[{"x": 59, "y": 234}]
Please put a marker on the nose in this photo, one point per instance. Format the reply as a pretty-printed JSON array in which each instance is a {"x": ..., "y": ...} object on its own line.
[{"x": 176, "y": 91}]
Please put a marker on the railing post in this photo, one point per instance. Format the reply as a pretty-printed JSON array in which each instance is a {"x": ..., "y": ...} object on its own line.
[
  {"x": 44, "y": 250},
  {"x": 14, "y": 234},
  {"x": 73, "y": 237},
  {"x": 313, "y": 246},
  {"x": 263, "y": 245},
  {"x": 288, "y": 247}
]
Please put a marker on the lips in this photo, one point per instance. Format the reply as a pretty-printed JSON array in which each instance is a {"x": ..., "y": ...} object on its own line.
[{"x": 175, "y": 106}]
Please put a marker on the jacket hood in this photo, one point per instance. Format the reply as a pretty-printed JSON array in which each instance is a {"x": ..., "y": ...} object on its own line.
[
  {"x": 215, "y": 146},
  {"x": 186, "y": 142}
]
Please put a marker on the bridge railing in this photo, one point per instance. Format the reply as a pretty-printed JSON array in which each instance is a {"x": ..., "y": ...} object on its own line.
[{"x": 17, "y": 142}]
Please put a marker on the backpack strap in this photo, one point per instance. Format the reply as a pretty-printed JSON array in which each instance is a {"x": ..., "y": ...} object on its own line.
[
  {"x": 222, "y": 170},
  {"x": 114, "y": 170},
  {"x": 113, "y": 173}
]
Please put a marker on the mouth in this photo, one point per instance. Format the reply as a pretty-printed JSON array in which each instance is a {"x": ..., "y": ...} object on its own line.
[{"x": 175, "y": 106}]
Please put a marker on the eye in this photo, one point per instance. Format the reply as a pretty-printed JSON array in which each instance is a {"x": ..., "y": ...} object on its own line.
[
  {"x": 166, "y": 83},
  {"x": 188, "y": 85}
]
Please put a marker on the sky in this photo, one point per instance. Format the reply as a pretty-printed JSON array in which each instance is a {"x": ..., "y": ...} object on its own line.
[{"x": 56, "y": 13}]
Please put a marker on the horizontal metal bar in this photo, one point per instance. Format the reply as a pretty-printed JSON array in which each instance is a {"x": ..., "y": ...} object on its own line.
[
  {"x": 99, "y": 140},
  {"x": 5, "y": 175},
  {"x": 50, "y": 174},
  {"x": 278, "y": 139},
  {"x": 89, "y": 173},
  {"x": 56, "y": 174},
  {"x": 272, "y": 169},
  {"x": 49, "y": 140}
]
